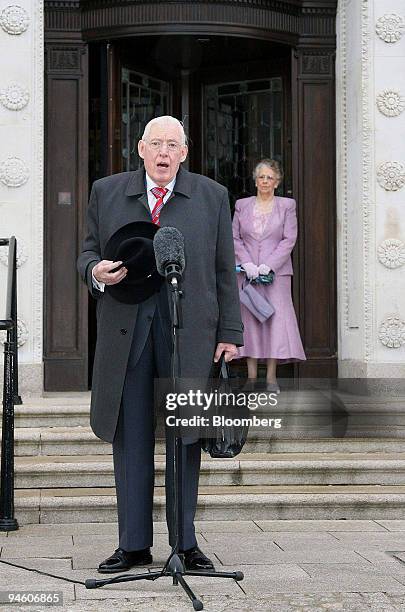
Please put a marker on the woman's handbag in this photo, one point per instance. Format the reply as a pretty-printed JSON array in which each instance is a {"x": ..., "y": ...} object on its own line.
[
  {"x": 261, "y": 308},
  {"x": 228, "y": 440}
]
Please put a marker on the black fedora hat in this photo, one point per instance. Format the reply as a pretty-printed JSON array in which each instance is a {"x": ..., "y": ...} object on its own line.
[{"x": 133, "y": 245}]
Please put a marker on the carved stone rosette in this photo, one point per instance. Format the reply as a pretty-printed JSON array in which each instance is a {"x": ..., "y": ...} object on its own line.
[
  {"x": 13, "y": 172},
  {"x": 391, "y": 175},
  {"x": 390, "y": 103},
  {"x": 390, "y": 27},
  {"x": 14, "y": 19},
  {"x": 391, "y": 253},
  {"x": 22, "y": 255},
  {"x": 14, "y": 96},
  {"x": 392, "y": 332}
]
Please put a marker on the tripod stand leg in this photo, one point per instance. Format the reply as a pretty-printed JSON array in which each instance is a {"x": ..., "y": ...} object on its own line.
[{"x": 197, "y": 604}]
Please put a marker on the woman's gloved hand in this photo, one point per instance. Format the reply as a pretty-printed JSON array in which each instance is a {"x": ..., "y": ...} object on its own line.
[
  {"x": 252, "y": 271},
  {"x": 263, "y": 269}
]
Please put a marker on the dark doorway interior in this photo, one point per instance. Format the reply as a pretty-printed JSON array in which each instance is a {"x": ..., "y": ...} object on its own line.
[{"x": 233, "y": 95}]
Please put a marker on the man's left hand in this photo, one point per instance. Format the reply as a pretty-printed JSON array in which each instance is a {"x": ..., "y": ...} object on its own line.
[{"x": 230, "y": 351}]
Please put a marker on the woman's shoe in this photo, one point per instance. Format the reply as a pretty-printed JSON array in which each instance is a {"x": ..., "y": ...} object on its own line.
[
  {"x": 250, "y": 385},
  {"x": 273, "y": 388}
]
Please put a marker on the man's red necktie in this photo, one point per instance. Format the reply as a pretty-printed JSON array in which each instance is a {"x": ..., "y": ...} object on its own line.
[{"x": 159, "y": 193}]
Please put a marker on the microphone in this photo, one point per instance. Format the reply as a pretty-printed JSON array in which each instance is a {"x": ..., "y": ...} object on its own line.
[{"x": 168, "y": 244}]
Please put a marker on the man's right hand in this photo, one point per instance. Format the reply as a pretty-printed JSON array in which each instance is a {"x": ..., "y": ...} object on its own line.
[{"x": 102, "y": 272}]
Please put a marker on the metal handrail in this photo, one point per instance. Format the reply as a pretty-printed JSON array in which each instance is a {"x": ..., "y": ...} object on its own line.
[
  {"x": 10, "y": 392},
  {"x": 8, "y": 322}
]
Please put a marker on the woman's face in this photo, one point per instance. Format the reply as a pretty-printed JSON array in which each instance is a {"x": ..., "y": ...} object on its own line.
[{"x": 267, "y": 180}]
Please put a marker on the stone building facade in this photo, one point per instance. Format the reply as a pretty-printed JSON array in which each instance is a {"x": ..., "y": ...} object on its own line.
[{"x": 369, "y": 237}]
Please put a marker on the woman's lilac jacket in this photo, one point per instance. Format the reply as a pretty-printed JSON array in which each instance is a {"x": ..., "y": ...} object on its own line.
[{"x": 275, "y": 246}]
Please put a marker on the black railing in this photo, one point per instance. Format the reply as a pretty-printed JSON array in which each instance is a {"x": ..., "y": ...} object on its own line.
[{"x": 10, "y": 392}]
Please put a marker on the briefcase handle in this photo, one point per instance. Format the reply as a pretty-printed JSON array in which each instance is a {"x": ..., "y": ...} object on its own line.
[{"x": 224, "y": 368}]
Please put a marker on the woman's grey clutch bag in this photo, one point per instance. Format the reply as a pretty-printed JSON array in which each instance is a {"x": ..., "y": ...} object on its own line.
[{"x": 261, "y": 308}]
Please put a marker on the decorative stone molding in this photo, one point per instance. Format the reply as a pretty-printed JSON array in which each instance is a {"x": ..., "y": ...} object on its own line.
[
  {"x": 390, "y": 103},
  {"x": 14, "y": 96},
  {"x": 22, "y": 333},
  {"x": 13, "y": 172},
  {"x": 367, "y": 155},
  {"x": 391, "y": 253},
  {"x": 392, "y": 332},
  {"x": 390, "y": 27},
  {"x": 36, "y": 182},
  {"x": 22, "y": 255},
  {"x": 391, "y": 175},
  {"x": 14, "y": 19}
]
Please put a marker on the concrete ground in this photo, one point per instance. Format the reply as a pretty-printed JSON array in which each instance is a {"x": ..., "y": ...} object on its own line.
[{"x": 288, "y": 565}]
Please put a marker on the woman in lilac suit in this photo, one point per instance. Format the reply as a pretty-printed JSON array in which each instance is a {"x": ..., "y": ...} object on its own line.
[{"x": 264, "y": 233}]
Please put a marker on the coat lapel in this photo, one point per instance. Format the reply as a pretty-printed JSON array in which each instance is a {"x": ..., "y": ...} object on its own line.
[{"x": 137, "y": 187}]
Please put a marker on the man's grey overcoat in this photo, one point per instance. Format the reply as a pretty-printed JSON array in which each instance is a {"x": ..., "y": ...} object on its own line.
[{"x": 199, "y": 208}]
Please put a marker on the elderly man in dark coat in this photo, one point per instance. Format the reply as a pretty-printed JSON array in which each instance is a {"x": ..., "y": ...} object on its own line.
[{"x": 133, "y": 340}]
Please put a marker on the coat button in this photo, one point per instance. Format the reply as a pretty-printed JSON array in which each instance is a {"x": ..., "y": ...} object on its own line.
[
  {"x": 149, "y": 317},
  {"x": 123, "y": 331}
]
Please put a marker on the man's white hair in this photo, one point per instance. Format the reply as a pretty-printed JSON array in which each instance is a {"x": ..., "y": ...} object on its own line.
[{"x": 168, "y": 119}]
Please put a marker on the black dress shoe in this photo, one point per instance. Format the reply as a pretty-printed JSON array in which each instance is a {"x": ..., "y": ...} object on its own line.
[
  {"x": 194, "y": 559},
  {"x": 122, "y": 560}
]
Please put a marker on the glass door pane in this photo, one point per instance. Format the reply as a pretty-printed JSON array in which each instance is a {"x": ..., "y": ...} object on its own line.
[
  {"x": 243, "y": 123},
  {"x": 143, "y": 97}
]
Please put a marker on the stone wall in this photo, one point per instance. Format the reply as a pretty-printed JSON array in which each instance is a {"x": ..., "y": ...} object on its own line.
[
  {"x": 371, "y": 187},
  {"x": 21, "y": 172}
]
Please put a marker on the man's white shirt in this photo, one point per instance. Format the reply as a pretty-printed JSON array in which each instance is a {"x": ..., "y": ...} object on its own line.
[{"x": 151, "y": 201}]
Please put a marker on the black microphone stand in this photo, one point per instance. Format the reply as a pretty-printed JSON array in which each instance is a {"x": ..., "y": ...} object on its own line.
[{"x": 174, "y": 566}]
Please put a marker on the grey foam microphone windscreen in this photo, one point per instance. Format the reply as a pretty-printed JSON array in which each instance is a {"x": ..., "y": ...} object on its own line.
[{"x": 168, "y": 244}]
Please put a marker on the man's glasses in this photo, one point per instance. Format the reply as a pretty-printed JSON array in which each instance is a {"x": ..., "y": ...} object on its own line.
[{"x": 157, "y": 145}]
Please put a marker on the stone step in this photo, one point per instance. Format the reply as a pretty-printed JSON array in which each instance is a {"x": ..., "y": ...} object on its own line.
[
  {"x": 43, "y": 472},
  {"x": 222, "y": 503},
  {"x": 52, "y": 414},
  {"x": 301, "y": 411},
  {"x": 80, "y": 440}
]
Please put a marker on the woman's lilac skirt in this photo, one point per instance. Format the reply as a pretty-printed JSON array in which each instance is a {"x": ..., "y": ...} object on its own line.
[{"x": 279, "y": 336}]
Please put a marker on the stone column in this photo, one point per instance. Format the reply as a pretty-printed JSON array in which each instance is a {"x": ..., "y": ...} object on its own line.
[
  {"x": 21, "y": 174},
  {"x": 371, "y": 188}
]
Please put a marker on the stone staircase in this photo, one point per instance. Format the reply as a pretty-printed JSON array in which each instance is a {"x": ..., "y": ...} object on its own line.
[{"x": 65, "y": 474}]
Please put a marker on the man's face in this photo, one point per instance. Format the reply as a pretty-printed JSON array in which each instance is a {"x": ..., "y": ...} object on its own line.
[{"x": 162, "y": 152}]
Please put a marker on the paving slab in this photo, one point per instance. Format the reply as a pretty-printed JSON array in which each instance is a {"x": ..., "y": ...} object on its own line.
[
  {"x": 261, "y": 550},
  {"x": 393, "y": 525},
  {"x": 47, "y": 530},
  {"x": 55, "y": 547},
  {"x": 395, "y": 570},
  {"x": 280, "y": 602},
  {"x": 352, "y": 577},
  {"x": 322, "y": 525},
  {"x": 226, "y": 527},
  {"x": 16, "y": 579},
  {"x": 372, "y": 555},
  {"x": 294, "y": 541},
  {"x": 382, "y": 541}
]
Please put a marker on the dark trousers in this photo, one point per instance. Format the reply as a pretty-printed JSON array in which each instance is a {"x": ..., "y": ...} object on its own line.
[{"x": 134, "y": 441}]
